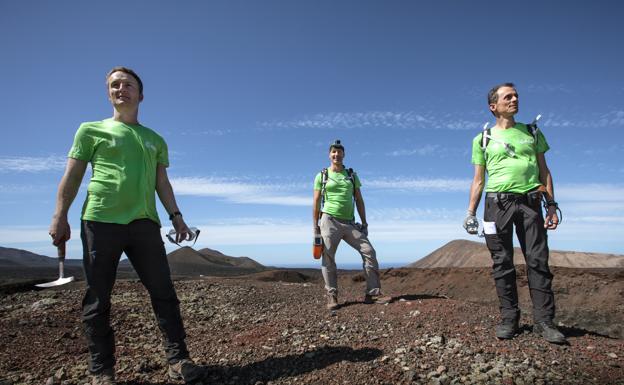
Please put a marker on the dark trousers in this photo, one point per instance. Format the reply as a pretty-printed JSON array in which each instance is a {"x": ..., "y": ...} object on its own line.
[
  {"x": 531, "y": 234},
  {"x": 103, "y": 244}
]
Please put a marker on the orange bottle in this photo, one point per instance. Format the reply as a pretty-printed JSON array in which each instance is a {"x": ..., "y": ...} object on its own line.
[{"x": 317, "y": 247}]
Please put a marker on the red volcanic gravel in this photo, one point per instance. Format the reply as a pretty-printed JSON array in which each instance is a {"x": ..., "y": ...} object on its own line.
[{"x": 259, "y": 332}]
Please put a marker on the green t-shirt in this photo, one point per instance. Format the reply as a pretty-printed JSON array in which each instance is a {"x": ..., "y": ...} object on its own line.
[
  {"x": 517, "y": 173},
  {"x": 338, "y": 193},
  {"x": 124, "y": 159}
]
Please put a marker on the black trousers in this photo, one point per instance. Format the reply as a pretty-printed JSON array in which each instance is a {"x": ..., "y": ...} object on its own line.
[
  {"x": 103, "y": 244},
  {"x": 527, "y": 218}
]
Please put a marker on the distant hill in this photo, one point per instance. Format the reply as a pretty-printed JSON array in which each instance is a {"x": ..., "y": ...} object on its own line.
[
  {"x": 187, "y": 261},
  {"x": 18, "y": 257},
  {"x": 463, "y": 253},
  {"x": 184, "y": 261}
]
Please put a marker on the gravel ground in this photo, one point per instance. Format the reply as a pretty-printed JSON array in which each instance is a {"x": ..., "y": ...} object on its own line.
[{"x": 260, "y": 332}]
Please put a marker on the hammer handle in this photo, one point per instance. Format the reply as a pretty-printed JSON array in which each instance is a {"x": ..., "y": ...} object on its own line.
[{"x": 61, "y": 251}]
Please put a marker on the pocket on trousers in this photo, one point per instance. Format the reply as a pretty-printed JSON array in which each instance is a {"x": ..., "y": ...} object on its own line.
[{"x": 493, "y": 242}]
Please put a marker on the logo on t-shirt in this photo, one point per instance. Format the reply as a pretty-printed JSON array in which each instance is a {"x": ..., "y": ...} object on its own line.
[{"x": 151, "y": 146}]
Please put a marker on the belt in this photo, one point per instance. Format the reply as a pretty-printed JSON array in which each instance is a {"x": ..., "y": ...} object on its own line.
[
  {"x": 347, "y": 221},
  {"x": 506, "y": 196}
]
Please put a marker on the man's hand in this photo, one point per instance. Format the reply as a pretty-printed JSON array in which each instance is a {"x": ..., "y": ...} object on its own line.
[
  {"x": 471, "y": 224},
  {"x": 182, "y": 231},
  {"x": 552, "y": 219},
  {"x": 364, "y": 229},
  {"x": 59, "y": 230}
]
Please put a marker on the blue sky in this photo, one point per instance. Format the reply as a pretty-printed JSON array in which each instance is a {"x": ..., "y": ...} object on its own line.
[{"x": 248, "y": 95}]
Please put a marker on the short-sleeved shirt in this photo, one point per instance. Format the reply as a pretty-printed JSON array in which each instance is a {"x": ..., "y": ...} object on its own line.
[
  {"x": 124, "y": 159},
  {"x": 517, "y": 172},
  {"x": 338, "y": 193}
]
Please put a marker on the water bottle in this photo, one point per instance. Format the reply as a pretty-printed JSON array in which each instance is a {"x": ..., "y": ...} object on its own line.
[{"x": 317, "y": 247}]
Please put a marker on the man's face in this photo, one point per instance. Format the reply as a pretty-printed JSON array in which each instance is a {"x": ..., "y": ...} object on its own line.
[
  {"x": 507, "y": 104},
  {"x": 123, "y": 90},
  {"x": 336, "y": 155}
]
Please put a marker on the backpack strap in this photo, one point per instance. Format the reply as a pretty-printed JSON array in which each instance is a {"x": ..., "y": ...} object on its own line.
[
  {"x": 324, "y": 176},
  {"x": 534, "y": 129},
  {"x": 350, "y": 174},
  {"x": 485, "y": 139}
]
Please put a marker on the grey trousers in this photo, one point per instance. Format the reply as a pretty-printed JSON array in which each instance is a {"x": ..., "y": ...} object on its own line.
[
  {"x": 529, "y": 225},
  {"x": 333, "y": 230}
]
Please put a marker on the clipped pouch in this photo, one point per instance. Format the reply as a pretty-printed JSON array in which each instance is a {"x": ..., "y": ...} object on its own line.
[{"x": 489, "y": 228}]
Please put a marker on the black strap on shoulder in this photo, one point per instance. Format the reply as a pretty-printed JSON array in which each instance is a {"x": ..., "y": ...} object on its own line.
[
  {"x": 324, "y": 177},
  {"x": 534, "y": 131},
  {"x": 485, "y": 140}
]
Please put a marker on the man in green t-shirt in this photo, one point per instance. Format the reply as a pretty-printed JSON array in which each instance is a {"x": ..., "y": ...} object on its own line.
[
  {"x": 517, "y": 177},
  {"x": 129, "y": 163},
  {"x": 335, "y": 189}
]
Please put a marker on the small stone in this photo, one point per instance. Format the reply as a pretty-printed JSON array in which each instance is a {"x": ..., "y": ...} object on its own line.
[
  {"x": 441, "y": 369},
  {"x": 612, "y": 355},
  {"x": 60, "y": 374}
]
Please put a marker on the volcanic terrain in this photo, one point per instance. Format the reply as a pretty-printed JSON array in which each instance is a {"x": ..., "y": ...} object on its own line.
[{"x": 271, "y": 327}]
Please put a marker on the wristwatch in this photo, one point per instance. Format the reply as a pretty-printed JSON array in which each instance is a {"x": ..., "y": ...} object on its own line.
[{"x": 174, "y": 214}]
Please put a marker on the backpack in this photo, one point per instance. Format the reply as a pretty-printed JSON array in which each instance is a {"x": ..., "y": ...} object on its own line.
[
  {"x": 324, "y": 177},
  {"x": 487, "y": 135}
]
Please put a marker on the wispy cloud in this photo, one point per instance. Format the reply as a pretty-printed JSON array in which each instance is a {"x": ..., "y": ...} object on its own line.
[
  {"x": 17, "y": 189},
  {"x": 590, "y": 192},
  {"x": 609, "y": 119},
  {"x": 261, "y": 191},
  {"x": 422, "y": 185},
  {"x": 426, "y": 150},
  {"x": 549, "y": 88},
  {"x": 202, "y": 132},
  {"x": 239, "y": 191},
  {"x": 410, "y": 214},
  {"x": 32, "y": 164},
  {"x": 374, "y": 119}
]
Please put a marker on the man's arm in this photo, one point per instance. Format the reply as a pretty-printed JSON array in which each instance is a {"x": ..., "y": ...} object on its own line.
[
  {"x": 552, "y": 220},
  {"x": 359, "y": 203},
  {"x": 167, "y": 198},
  {"x": 316, "y": 210},
  {"x": 476, "y": 189},
  {"x": 65, "y": 195}
]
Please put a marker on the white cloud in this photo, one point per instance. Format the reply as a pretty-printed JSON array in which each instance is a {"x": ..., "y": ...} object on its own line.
[
  {"x": 202, "y": 132},
  {"x": 426, "y": 150},
  {"x": 24, "y": 234},
  {"x": 548, "y": 88},
  {"x": 238, "y": 191},
  {"x": 609, "y": 119},
  {"x": 32, "y": 164},
  {"x": 423, "y": 185},
  {"x": 410, "y": 214},
  {"x": 376, "y": 119},
  {"x": 17, "y": 188},
  {"x": 590, "y": 192}
]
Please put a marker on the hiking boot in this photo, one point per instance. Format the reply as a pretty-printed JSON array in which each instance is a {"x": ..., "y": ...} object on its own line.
[
  {"x": 332, "y": 302},
  {"x": 105, "y": 377},
  {"x": 379, "y": 299},
  {"x": 185, "y": 370},
  {"x": 549, "y": 331},
  {"x": 507, "y": 329}
]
